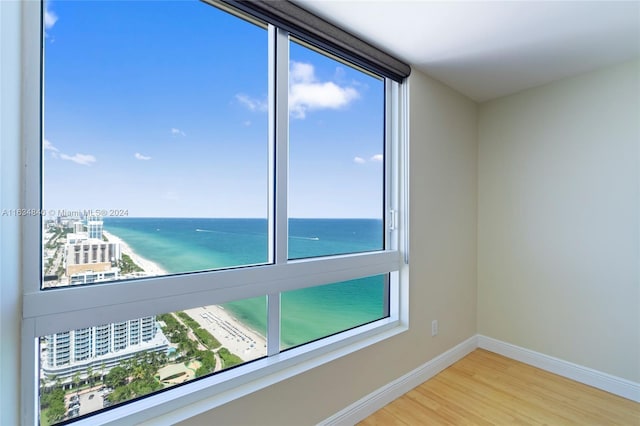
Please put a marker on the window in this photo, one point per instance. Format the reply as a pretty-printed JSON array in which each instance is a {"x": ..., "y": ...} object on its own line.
[{"x": 219, "y": 198}]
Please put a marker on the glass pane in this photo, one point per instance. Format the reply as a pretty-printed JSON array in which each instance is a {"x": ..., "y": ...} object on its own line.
[
  {"x": 90, "y": 369},
  {"x": 313, "y": 313},
  {"x": 336, "y": 156},
  {"x": 154, "y": 114},
  {"x": 321, "y": 237}
]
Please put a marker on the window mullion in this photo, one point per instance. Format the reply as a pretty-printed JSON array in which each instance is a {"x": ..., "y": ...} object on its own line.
[
  {"x": 390, "y": 178},
  {"x": 281, "y": 46},
  {"x": 273, "y": 324},
  {"x": 279, "y": 82}
]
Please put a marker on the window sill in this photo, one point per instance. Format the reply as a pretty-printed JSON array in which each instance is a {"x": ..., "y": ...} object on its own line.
[{"x": 195, "y": 398}]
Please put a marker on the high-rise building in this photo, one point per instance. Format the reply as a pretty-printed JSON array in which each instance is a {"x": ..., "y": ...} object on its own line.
[
  {"x": 87, "y": 257},
  {"x": 90, "y": 254},
  {"x": 95, "y": 226},
  {"x": 100, "y": 348}
]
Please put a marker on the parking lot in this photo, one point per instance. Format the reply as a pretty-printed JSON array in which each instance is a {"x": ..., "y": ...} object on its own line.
[{"x": 84, "y": 402}]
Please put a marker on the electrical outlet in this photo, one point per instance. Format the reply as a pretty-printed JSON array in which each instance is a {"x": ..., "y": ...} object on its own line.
[{"x": 434, "y": 327}]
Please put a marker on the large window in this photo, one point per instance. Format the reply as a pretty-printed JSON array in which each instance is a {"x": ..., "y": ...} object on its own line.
[{"x": 216, "y": 198}]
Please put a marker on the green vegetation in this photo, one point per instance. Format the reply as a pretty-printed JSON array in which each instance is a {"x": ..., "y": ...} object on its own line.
[
  {"x": 138, "y": 376},
  {"x": 203, "y": 335},
  {"x": 44, "y": 417},
  {"x": 193, "y": 324},
  {"x": 207, "y": 363},
  {"x": 132, "y": 378},
  {"x": 135, "y": 377},
  {"x": 188, "y": 348},
  {"x": 53, "y": 402},
  {"x": 128, "y": 266},
  {"x": 120, "y": 394},
  {"x": 229, "y": 359},
  {"x": 174, "y": 331},
  {"x": 58, "y": 233},
  {"x": 169, "y": 320},
  {"x": 207, "y": 338},
  {"x": 116, "y": 377},
  {"x": 178, "y": 335}
]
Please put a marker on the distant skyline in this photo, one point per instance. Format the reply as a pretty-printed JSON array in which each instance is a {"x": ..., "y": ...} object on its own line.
[{"x": 160, "y": 108}]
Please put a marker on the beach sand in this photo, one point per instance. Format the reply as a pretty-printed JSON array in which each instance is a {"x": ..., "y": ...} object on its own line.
[
  {"x": 233, "y": 334},
  {"x": 150, "y": 268}
]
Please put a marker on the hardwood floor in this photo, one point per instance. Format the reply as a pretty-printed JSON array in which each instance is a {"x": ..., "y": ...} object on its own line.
[{"x": 488, "y": 389}]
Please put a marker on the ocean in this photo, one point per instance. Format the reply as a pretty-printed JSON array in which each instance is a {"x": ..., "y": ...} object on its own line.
[{"x": 187, "y": 245}]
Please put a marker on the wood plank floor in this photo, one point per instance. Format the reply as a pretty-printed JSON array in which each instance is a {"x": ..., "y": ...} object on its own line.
[{"x": 488, "y": 389}]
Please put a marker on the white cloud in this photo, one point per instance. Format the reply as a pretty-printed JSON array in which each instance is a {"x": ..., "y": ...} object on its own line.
[
  {"x": 306, "y": 93},
  {"x": 48, "y": 146},
  {"x": 50, "y": 19},
  {"x": 141, "y": 157},
  {"x": 252, "y": 104},
  {"x": 374, "y": 159},
  {"x": 82, "y": 159},
  {"x": 177, "y": 132},
  {"x": 302, "y": 73}
]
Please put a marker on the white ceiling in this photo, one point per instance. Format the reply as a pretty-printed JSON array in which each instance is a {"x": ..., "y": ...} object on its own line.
[{"x": 490, "y": 49}]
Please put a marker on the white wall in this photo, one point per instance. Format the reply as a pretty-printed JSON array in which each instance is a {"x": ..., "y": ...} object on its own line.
[
  {"x": 443, "y": 274},
  {"x": 558, "y": 220}
]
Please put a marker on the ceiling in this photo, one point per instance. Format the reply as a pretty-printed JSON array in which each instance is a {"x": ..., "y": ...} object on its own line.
[{"x": 486, "y": 50}]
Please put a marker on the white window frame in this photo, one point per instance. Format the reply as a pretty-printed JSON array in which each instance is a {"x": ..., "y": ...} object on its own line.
[{"x": 55, "y": 310}]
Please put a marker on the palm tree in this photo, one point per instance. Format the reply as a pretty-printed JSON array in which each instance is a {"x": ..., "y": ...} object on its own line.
[
  {"x": 76, "y": 381},
  {"x": 187, "y": 347},
  {"x": 57, "y": 380},
  {"x": 50, "y": 380},
  {"x": 139, "y": 371},
  {"x": 90, "y": 375}
]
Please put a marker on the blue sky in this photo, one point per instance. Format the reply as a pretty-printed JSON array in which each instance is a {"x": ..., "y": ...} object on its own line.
[{"x": 160, "y": 108}]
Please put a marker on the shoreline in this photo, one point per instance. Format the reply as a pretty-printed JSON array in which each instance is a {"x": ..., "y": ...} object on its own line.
[
  {"x": 150, "y": 268},
  {"x": 232, "y": 333}
]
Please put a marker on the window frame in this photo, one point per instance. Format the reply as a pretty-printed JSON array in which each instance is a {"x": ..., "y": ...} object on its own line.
[{"x": 52, "y": 310}]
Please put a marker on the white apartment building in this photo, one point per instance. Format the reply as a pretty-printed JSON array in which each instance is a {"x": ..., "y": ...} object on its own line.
[
  {"x": 95, "y": 225},
  {"x": 100, "y": 347}
]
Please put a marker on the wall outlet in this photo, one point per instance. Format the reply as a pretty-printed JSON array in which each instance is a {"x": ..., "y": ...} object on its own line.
[{"x": 434, "y": 327}]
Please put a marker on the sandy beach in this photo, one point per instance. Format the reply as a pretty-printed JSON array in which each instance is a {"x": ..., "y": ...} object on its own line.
[
  {"x": 150, "y": 268},
  {"x": 233, "y": 334}
]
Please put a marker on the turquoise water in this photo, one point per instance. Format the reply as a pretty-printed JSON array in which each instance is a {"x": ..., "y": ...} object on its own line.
[{"x": 187, "y": 245}]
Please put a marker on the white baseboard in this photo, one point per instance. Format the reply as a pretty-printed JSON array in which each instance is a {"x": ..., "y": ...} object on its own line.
[
  {"x": 597, "y": 379},
  {"x": 371, "y": 403}
]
